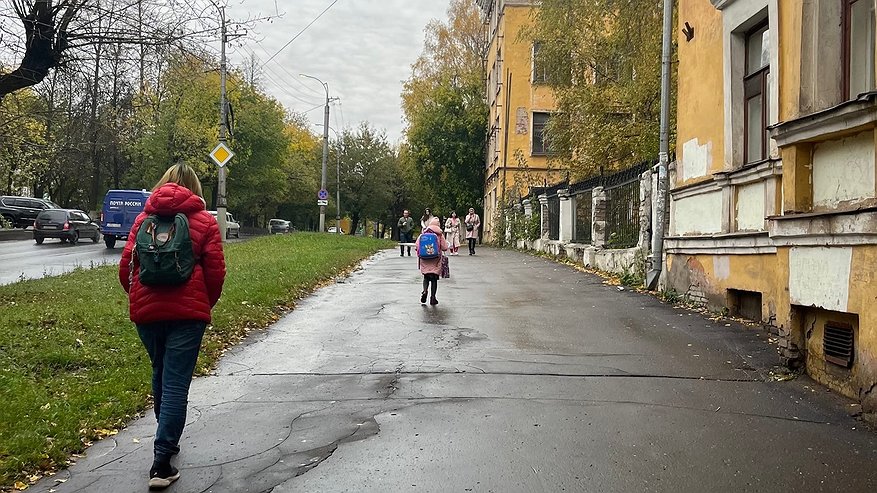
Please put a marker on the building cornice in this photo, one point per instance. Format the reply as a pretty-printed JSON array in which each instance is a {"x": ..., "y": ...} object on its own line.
[
  {"x": 837, "y": 121},
  {"x": 721, "y": 4},
  {"x": 835, "y": 228},
  {"x": 741, "y": 243}
]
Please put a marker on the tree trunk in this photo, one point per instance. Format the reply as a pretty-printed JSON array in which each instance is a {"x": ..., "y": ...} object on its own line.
[
  {"x": 354, "y": 222},
  {"x": 45, "y": 28}
]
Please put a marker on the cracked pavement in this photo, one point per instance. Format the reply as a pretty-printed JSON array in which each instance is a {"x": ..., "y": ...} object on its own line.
[{"x": 528, "y": 376}]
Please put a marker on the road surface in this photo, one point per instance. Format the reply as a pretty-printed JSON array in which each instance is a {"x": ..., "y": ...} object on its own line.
[
  {"x": 528, "y": 376},
  {"x": 24, "y": 259}
]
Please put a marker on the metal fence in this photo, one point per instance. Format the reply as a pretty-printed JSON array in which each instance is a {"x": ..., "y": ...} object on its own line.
[
  {"x": 622, "y": 215},
  {"x": 553, "y": 217},
  {"x": 583, "y": 209}
]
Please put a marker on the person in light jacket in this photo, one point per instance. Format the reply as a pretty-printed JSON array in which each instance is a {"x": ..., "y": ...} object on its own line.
[
  {"x": 424, "y": 220},
  {"x": 431, "y": 268},
  {"x": 452, "y": 233},
  {"x": 171, "y": 319},
  {"x": 473, "y": 222}
]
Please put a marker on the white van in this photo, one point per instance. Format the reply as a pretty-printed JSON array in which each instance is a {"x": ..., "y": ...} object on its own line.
[{"x": 232, "y": 226}]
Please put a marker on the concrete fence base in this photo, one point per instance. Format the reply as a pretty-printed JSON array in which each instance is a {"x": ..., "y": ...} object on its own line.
[{"x": 615, "y": 261}]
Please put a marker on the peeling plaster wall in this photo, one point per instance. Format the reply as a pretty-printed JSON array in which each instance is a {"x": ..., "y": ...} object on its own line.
[
  {"x": 699, "y": 118},
  {"x": 698, "y": 214},
  {"x": 750, "y": 207},
  {"x": 696, "y": 159},
  {"x": 843, "y": 171},
  {"x": 706, "y": 279},
  {"x": 820, "y": 277}
]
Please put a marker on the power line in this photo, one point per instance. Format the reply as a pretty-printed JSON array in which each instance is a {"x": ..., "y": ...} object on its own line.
[
  {"x": 302, "y": 31},
  {"x": 283, "y": 87},
  {"x": 291, "y": 75}
]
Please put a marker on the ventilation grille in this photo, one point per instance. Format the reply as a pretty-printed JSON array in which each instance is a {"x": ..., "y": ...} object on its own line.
[{"x": 837, "y": 344}]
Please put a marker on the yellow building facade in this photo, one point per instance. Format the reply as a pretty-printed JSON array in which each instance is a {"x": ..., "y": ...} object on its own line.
[
  {"x": 520, "y": 103},
  {"x": 774, "y": 194}
]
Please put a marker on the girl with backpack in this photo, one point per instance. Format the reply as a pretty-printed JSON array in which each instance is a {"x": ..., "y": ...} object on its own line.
[
  {"x": 171, "y": 312},
  {"x": 430, "y": 245}
]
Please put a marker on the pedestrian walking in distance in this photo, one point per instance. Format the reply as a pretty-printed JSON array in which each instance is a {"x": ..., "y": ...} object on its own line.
[
  {"x": 473, "y": 222},
  {"x": 173, "y": 269},
  {"x": 406, "y": 232},
  {"x": 430, "y": 245},
  {"x": 452, "y": 233},
  {"x": 424, "y": 220}
]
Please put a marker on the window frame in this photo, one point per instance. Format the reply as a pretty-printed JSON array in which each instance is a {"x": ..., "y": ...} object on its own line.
[
  {"x": 544, "y": 151},
  {"x": 538, "y": 70},
  {"x": 756, "y": 84},
  {"x": 846, "y": 48}
]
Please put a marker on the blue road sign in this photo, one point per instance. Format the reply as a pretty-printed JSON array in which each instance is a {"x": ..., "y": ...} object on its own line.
[{"x": 323, "y": 194}]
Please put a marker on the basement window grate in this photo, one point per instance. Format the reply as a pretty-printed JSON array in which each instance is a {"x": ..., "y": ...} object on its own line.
[{"x": 837, "y": 344}]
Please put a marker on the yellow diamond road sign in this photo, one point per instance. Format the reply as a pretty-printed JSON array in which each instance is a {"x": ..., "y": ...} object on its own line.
[{"x": 221, "y": 154}]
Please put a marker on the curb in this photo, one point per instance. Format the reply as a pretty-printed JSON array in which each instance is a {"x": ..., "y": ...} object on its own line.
[{"x": 16, "y": 234}]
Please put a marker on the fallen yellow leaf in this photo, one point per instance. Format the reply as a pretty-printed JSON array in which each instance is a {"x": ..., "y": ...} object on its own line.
[{"x": 19, "y": 486}]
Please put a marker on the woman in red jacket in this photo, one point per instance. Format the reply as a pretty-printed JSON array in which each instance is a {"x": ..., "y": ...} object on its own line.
[{"x": 171, "y": 319}]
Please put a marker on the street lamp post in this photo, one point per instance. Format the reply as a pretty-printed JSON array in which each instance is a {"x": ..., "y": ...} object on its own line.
[
  {"x": 325, "y": 147},
  {"x": 337, "y": 184}
]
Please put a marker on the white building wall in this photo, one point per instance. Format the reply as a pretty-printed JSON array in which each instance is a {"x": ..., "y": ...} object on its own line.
[
  {"x": 698, "y": 214},
  {"x": 820, "y": 277},
  {"x": 750, "y": 207},
  {"x": 843, "y": 171}
]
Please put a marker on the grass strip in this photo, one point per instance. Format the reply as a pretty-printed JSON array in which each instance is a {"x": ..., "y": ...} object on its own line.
[{"x": 72, "y": 368}]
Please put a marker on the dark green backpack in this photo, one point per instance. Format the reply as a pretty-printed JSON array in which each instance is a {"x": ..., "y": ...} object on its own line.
[{"x": 164, "y": 249}]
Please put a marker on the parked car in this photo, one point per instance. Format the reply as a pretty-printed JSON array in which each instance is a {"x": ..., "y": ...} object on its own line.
[
  {"x": 120, "y": 209},
  {"x": 276, "y": 226},
  {"x": 233, "y": 228},
  {"x": 69, "y": 225},
  {"x": 333, "y": 229},
  {"x": 21, "y": 212}
]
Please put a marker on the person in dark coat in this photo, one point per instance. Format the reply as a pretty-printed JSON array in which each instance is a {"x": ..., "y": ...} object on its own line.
[{"x": 171, "y": 320}]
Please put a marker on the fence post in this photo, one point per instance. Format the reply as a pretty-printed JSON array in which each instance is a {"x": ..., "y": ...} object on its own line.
[
  {"x": 645, "y": 210},
  {"x": 567, "y": 216},
  {"x": 544, "y": 217},
  {"x": 598, "y": 215}
]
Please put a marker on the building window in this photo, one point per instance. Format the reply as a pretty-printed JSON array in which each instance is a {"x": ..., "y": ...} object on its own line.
[
  {"x": 540, "y": 68},
  {"x": 858, "y": 47},
  {"x": 539, "y": 146},
  {"x": 756, "y": 95}
]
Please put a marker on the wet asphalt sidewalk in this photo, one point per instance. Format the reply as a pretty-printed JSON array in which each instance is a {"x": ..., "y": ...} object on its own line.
[{"x": 528, "y": 376}]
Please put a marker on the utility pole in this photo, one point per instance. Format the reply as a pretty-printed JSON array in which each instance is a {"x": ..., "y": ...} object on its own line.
[
  {"x": 221, "y": 204},
  {"x": 338, "y": 188},
  {"x": 657, "y": 258},
  {"x": 325, "y": 147},
  {"x": 221, "y": 155}
]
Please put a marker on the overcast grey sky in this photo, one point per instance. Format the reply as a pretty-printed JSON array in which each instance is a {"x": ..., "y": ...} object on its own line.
[{"x": 362, "y": 48}]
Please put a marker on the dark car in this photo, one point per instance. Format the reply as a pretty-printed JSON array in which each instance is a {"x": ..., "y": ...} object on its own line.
[
  {"x": 68, "y": 225},
  {"x": 21, "y": 212},
  {"x": 277, "y": 226}
]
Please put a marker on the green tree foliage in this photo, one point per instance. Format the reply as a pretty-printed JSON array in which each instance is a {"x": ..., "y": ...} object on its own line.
[
  {"x": 23, "y": 149},
  {"x": 369, "y": 174},
  {"x": 445, "y": 113},
  {"x": 603, "y": 59},
  {"x": 273, "y": 165}
]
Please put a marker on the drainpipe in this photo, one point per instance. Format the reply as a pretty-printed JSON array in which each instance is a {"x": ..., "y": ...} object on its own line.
[{"x": 656, "y": 259}]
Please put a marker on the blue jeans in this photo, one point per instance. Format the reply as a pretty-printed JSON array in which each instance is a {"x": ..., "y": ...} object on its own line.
[{"x": 173, "y": 349}]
